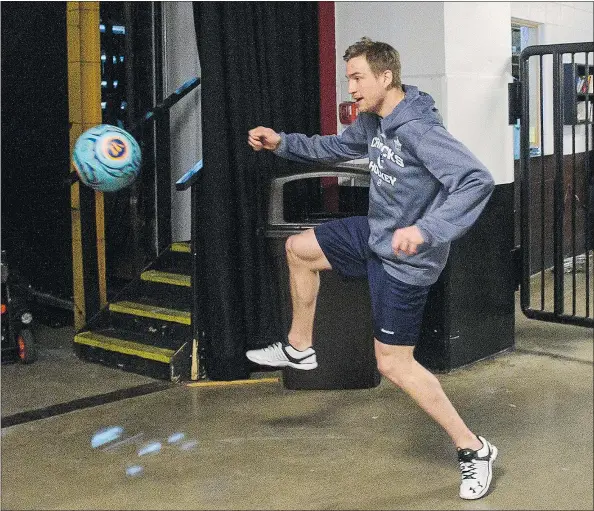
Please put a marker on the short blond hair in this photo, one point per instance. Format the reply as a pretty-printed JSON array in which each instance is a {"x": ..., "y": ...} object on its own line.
[{"x": 380, "y": 57}]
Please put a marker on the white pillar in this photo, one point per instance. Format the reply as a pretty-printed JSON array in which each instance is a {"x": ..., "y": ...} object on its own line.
[{"x": 477, "y": 72}]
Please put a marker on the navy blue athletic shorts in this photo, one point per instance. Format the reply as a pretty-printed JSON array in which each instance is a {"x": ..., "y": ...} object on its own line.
[{"x": 397, "y": 307}]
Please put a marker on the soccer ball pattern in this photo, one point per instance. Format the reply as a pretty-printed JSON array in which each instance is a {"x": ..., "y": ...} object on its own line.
[{"x": 107, "y": 158}]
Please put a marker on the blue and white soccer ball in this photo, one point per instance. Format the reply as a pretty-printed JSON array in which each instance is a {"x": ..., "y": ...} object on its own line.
[{"x": 107, "y": 158}]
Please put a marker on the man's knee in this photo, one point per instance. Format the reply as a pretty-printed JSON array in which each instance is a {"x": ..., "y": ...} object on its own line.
[
  {"x": 304, "y": 249},
  {"x": 291, "y": 245},
  {"x": 394, "y": 362}
]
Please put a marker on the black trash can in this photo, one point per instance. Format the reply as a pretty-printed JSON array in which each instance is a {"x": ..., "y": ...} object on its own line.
[{"x": 343, "y": 327}]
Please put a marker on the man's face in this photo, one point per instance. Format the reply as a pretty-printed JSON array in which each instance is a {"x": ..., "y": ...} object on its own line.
[{"x": 367, "y": 90}]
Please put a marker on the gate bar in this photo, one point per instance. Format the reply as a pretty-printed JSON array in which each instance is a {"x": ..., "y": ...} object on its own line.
[
  {"x": 542, "y": 189},
  {"x": 558, "y": 206},
  {"x": 589, "y": 201},
  {"x": 524, "y": 165},
  {"x": 574, "y": 247}
]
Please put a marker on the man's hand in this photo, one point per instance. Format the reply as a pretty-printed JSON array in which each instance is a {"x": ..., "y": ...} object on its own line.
[
  {"x": 263, "y": 138},
  {"x": 407, "y": 240}
]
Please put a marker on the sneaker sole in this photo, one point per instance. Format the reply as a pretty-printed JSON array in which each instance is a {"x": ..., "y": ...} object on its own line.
[
  {"x": 488, "y": 485},
  {"x": 305, "y": 366}
]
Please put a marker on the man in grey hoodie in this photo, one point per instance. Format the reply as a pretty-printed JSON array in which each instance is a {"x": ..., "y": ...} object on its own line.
[{"x": 427, "y": 189}]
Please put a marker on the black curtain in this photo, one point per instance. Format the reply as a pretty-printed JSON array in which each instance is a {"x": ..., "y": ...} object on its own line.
[
  {"x": 259, "y": 66},
  {"x": 36, "y": 226}
]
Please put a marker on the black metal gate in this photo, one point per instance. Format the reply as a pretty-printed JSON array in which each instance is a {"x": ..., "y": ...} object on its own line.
[{"x": 557, "y": 183}]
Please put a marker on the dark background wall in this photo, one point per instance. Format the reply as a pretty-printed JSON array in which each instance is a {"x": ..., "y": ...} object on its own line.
[{"x": 35, "y": 145}]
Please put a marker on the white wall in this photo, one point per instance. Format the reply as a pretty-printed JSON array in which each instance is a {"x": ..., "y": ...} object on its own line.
[
  {"x": 398, "y": 24},
  {"x": 181, "y": 63},
  {"x": 561, "y": 22},
  {"x": 478, "y": 68}
]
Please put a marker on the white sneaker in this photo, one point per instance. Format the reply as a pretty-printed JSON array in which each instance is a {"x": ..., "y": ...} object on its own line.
[
  {"x": 477, "y": 470},
  {"x": 284, "y": 355}
]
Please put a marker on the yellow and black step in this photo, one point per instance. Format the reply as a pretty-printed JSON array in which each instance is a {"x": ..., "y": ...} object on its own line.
[
  {"x": 111, "y": 348},
  {"x": 125, "y": 347},
  {"x": 151, "y": 311},
  {"x": 180, "y": 246},
  {"x": 148, "y": 328},
  {"x": 177, "y": 259},
  {"x": 163, "y": 277}
]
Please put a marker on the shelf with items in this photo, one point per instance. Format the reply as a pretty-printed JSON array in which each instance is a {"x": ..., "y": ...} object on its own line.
[
  {"x": 581, "y": 107},
  {"x": 578, "y": 96}
]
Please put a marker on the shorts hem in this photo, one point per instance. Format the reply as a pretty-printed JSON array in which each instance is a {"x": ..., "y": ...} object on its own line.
[{"x": 395, "y": 342}]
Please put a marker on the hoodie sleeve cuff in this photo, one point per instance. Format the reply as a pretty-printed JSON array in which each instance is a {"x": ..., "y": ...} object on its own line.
[
  {"x": 282, "y": 147},
  {"x": 426, "y": 235}
]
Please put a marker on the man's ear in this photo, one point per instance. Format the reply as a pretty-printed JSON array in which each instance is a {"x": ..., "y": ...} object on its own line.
[{"x": 388, "y": 76}]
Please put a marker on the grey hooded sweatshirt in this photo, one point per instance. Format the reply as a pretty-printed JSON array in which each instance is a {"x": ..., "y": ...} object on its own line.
[{"x": 420, "y": 175}]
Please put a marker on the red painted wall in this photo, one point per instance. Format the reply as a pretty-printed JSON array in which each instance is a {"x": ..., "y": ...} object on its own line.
[{"x": 327, "y": 43}]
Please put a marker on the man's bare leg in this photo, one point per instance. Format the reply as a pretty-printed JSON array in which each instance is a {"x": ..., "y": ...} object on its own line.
[
  {"x": 305, "y": 259},
  {"x": 398, "y": 365}
]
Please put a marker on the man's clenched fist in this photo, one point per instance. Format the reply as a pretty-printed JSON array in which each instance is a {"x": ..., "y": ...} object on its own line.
[
  {"x": 263, "y": 138},
  {"x": 407, "y": 240}
]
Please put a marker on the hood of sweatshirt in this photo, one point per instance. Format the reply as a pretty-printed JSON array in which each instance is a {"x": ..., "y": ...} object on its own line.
[{"x": 416, "y": 105}]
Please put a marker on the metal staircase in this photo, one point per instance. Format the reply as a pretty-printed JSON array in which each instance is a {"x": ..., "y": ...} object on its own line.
[
  {"x": 147, "y": 328},
  {"x": 151, "y": 326}
]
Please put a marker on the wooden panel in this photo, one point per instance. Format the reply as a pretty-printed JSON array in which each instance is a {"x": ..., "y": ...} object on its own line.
[{"x": 545, "y": 166}]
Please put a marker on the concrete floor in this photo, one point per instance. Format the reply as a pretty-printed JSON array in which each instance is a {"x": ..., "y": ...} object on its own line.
[{"x": 260, "y": 446}]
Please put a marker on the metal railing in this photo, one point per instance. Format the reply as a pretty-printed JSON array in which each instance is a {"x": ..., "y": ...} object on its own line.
[
  {"x": 556, "y": 198},
  {"x": 159, "y": 147},
  {"x": 161, "y": 114}
]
